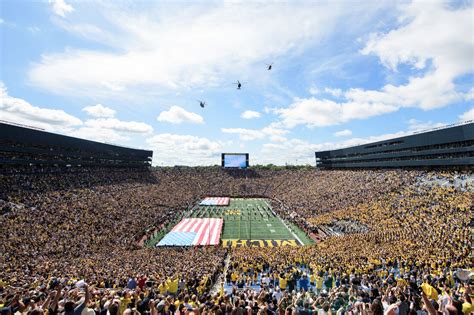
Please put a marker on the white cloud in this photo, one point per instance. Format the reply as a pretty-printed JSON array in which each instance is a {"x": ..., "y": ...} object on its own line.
[
  {"x": 343, "y": 133},
  {"x": 99, "y": 134},
  {"x": 2, "y": 21},
  {"x": 434, "y": 90},
  {"x": 333, "y": 92},
  {"x": 469, "y": 115},
  {"x": 275, "y": 134},
  {"x": 469, "y": 95},
  {"x": 267, "y": 110},
  {"x": 119, "y": 125},
  {"x": 178, "y": 115},
  {"x": 445, "y": 53},
  {"x": 313, "y": 90},
  {"x": 293, "y": 151},
  {"x": 446, "y": 44},
  {"x": 245, "y": 134},
  {"x": 99, "y": 110},
  {"x": 112, "y": 86},
  {"x": 105, "y": 128},
  {"x": 278, "y": 139},
  {"x": 314, "y": 112},
  {"x": 297, "y": 151},
  {"x": 85, "y": 30},
  {"x": 250, "y": 114},
  {"x": 273, "y": 131},
  {"x": 444, "y": 38},
  {"x": 108, "y": 130},
  {"x": 61, "y": 8},
  {"x": 20, "y": 111},
  {"x": 198, "y": 46},
  {"x": 173, "y": 149}
]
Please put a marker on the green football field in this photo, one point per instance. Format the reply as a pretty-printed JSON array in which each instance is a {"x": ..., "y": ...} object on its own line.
[{"x": 250, "y": 219}]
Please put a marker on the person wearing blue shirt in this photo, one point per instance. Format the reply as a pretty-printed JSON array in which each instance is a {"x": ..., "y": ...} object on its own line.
[
  {"x": 304, "y": 282},
  {"x": 132, "y": 283}
]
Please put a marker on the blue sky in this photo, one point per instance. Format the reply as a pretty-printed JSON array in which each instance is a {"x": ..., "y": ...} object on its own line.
[{"x": 132, "y": 72}]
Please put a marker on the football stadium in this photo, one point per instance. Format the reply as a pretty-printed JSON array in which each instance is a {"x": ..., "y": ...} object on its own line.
[
  {"x": 96, "y": 220},
  {"x": 236, "y": 157}
]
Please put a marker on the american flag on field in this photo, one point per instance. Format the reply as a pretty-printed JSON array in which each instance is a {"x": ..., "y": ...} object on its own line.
[
  {"x": 215, "y": 201},
  {"x": 194, "y": 231}
]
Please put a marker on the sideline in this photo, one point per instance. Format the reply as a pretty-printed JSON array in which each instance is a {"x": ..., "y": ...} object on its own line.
[{"x": 284, "y": 223}]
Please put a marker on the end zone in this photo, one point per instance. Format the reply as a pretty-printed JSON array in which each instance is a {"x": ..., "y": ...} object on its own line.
[{"x": 260, "y": 243}]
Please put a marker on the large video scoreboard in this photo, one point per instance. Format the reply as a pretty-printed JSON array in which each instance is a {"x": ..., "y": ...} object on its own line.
[{"x": 235, "y": 160}]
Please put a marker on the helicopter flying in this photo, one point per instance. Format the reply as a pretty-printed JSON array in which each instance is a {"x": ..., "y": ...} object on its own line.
[
  {"x": 202, "y": 103},
  {"x": 269, "y": 66},
  {"x": 239, "y": 84}
]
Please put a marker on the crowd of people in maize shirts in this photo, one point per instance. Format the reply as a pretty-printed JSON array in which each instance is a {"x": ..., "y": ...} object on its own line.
[{"x": 68, "y": 245}]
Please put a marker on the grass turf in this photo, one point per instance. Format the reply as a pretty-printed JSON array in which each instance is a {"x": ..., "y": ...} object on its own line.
[{"x": 246, "y": 219}]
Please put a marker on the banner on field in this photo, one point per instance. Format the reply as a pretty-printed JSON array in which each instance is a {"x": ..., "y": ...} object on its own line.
[
  {"x": 215, "y": 201},
  {"x": 260, "y": 243},
  {"x": 193, "y": 232}
]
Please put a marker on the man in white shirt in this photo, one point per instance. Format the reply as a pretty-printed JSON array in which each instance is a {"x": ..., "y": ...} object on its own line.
[{"x": 277, "y": 293}]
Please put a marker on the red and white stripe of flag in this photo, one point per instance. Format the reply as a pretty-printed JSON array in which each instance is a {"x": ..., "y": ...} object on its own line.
[
  {"x": 208, "y": 229},
  {"x": 219, "y": 201}
]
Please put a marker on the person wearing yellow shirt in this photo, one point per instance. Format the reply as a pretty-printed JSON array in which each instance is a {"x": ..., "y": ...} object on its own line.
[
  {"x": 194, "y": 301},
  {"x": 124, "y": 302},
  {"x": 430, "y": 292},
  {"x": 401, "y": 282},
  {"x": 221, "y": 290},
  {"x": 467, "y": 305},
  {"x": 467, "y": 308},
  {"x": 283, "y": 282},
  {"x": 162, "y": 288},
  {"x": 172, "y": 285},
  {"x": 233, "y": 277},
  {"x": 319, "y": 283}
]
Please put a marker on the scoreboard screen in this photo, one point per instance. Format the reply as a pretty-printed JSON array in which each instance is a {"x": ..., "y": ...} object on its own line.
[{"x": 235, "y": 160}]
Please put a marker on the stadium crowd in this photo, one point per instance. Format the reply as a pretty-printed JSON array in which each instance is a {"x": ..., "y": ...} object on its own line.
[
  {"x": 419, "y": 236},
  {"x": 68, "y": 245}
]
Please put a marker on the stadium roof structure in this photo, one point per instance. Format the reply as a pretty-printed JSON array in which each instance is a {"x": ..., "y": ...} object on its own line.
[
  {"x": 441, "y": 147},
  {"x": 20, "y": 145}
]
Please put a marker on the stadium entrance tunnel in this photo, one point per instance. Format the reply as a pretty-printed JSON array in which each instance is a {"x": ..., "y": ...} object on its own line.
[
  {"x": 341, "y": 227},
  {"x": 234, "y": 222}
]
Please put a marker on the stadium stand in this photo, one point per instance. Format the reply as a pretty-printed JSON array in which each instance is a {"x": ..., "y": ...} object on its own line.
[
  {"x": 33, "y": 148},
  {"x": 394, "y": 241},
  {"x": 446, "y": 147}
]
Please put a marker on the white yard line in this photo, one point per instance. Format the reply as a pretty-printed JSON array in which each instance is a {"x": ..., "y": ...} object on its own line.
[
  {"x": 295, "y": 236},
  {"x": 287, "y": 227}
]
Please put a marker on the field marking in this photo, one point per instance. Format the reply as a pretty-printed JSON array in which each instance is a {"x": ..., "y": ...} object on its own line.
[
  {"x": 242, "y": 226},
  {"x": 289, "y": 230}
]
